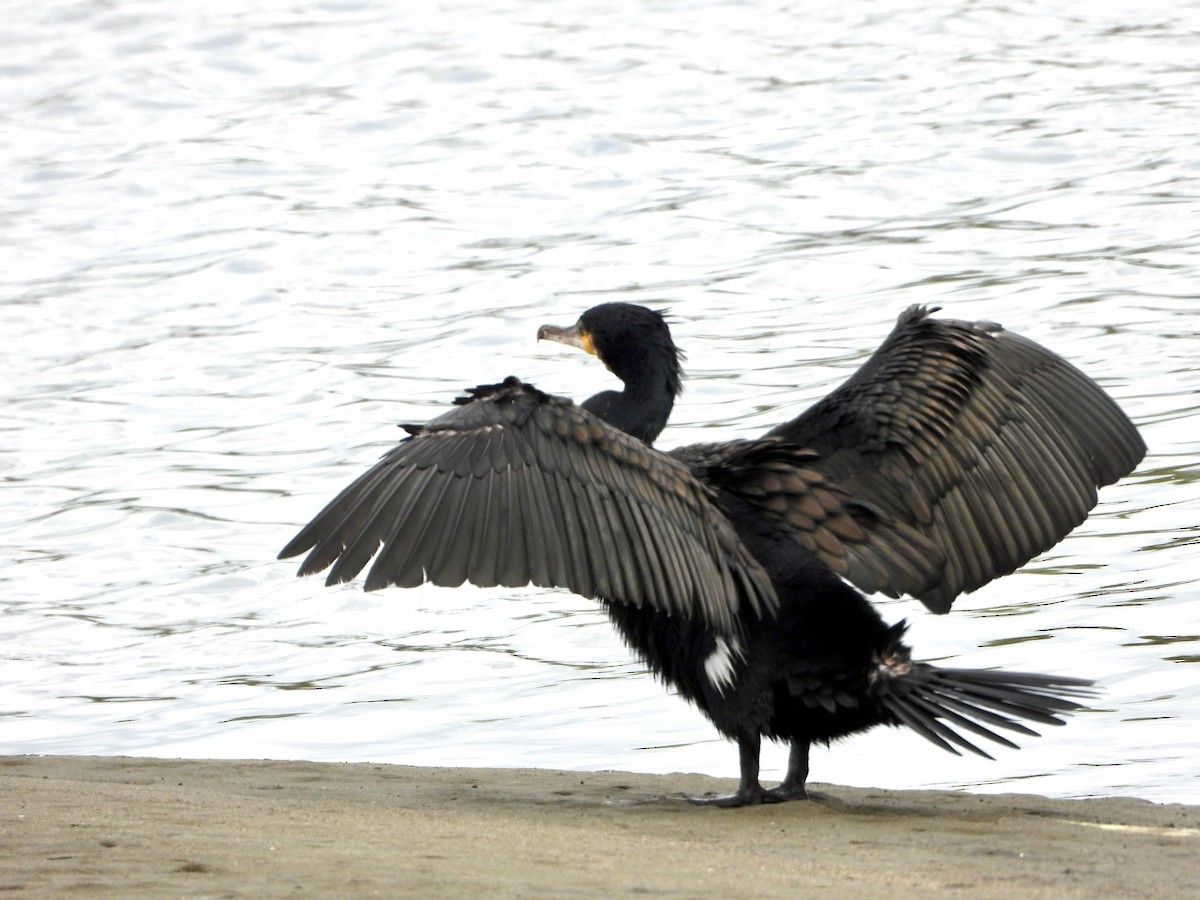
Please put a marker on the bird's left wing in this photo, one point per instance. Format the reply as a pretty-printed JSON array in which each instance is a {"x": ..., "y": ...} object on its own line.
[{"x": 514, "y": 486}]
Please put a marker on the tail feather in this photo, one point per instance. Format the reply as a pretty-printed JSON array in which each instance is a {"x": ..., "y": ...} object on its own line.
[
  {"x": 935, "y": 702},
  {"x": 919, "y": 717},
  {"x": 934, "y": 712},
  {"x": 951, "y": 700}
]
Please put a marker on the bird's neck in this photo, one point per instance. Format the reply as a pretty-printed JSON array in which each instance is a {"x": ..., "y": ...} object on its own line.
[{"x": 641, "y": 410}]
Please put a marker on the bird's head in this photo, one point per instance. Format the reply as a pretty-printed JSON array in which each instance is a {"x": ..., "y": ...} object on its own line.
[
  {"x": 635, "y": 344},
  {"x": 632, "y": 341}
]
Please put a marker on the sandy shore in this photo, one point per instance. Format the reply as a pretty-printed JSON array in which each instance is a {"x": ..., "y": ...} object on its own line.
[{"x": 106, "y": 827}]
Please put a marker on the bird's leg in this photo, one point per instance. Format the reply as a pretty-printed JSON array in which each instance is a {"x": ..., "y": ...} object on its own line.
[
  {"x": 793, "y": 787},
  {"x": 749, "y": 790}
]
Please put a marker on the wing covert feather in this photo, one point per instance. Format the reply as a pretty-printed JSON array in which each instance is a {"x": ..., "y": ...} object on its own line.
[{"x": 782, "y": 482}]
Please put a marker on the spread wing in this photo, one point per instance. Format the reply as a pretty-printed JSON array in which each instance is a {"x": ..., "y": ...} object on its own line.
[
  {"x": 514, "y": 486},
  {"x": 984, "y": 442},
  {"x": 853, "y": 537}
]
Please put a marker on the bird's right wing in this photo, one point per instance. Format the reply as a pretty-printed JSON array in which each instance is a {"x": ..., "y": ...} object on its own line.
[
  {"x": 985, "y": 443},
  {"x": 515, "y": 486},
  {"x": 856, "y": 539}
]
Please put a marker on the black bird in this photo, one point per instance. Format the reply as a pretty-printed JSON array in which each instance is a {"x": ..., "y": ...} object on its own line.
[{"x": 954, "y": 455}]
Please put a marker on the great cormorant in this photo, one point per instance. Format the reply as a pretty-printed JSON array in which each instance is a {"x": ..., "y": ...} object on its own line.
[{"x": 956, "y": 453}]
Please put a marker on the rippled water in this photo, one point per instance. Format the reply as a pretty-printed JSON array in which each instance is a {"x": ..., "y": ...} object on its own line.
[{"x": 237, "y": 246}]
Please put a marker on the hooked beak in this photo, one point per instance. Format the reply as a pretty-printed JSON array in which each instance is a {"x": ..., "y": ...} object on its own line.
[{"x": 573, "y": 336}]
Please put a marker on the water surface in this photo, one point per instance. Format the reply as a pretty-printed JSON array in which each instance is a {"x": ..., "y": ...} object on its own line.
[{"x": 237, "y": 246}]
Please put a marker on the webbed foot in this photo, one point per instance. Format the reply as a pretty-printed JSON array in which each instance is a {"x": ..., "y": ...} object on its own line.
[
  {"x": 786, "y": 792},
  {"x": 745, "y": 796}
]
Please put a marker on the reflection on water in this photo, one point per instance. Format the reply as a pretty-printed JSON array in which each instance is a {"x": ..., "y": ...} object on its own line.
[{"x": 239, "y": 246}]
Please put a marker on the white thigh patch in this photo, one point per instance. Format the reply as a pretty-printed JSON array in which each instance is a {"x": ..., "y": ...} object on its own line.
[{"x": 719, "y": 665}]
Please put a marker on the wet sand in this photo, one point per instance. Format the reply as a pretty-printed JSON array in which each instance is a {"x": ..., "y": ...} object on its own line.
[{"x": 133, "y": 827}]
